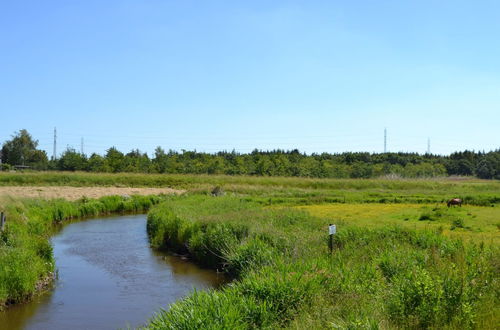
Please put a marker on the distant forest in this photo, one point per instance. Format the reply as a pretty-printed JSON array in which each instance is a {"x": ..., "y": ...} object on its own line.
[{"x": 21, "y": 152}]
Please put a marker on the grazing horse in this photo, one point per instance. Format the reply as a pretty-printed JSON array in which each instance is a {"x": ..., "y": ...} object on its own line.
[{"x": 454, "y": 201}]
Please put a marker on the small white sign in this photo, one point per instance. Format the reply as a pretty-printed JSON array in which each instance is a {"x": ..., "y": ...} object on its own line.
[{"x": 332, "y": 229}]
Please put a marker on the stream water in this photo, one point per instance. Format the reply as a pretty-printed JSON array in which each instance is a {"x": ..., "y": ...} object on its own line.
[{"x": 108, "y": 278}]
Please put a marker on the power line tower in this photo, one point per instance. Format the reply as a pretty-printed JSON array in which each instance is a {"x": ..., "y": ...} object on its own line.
[
  {"x": 55, "y": 139},
  {"x": 428, "y": 145},
  {"x": 385, "y": 140},
  {"x": 81, "y": 146}
]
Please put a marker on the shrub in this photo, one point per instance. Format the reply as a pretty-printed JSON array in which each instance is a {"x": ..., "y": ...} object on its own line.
[
  {"x": 253, "y": 254},
  {"x": 425, "y": 216},
  {"x": 457, "y": 223}
]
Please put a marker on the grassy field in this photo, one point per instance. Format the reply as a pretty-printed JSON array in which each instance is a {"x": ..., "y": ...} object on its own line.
[
  {"x": 282, "y": 190},
  {"x": 470, "y": 223},
  {"x": 402, "y": 259},
  {"x": 379, "y": 276}
]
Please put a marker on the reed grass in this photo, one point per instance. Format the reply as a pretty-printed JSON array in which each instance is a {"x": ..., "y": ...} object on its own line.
[{"x": 380, "y": 277}]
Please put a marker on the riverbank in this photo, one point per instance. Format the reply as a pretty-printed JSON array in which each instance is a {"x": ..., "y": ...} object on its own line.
[
  {"x": 385, "y": 276},
  {"x": 26, "y": 256}
]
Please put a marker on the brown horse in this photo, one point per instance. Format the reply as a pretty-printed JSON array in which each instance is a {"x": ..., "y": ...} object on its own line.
[{"x": 454, "y": 201}]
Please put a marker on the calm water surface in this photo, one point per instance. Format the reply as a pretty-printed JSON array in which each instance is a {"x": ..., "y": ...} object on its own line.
[{"x": 109, "y": 278}]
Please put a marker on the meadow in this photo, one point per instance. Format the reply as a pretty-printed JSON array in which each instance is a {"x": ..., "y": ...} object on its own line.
[
  {"x": 401, "y": 258},
  {"x": 380, "y": 276},
  {"x": 282, "y": 189},
  {"x": 470, "y": 223}
]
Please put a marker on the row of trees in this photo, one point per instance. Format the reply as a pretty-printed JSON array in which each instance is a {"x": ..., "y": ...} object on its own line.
[{"x": 22, "y": 150}]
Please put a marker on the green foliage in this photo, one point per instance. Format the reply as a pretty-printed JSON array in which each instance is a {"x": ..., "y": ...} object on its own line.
[
  {"x": 458, "y": 223},
  {"x": 390, "y": 276},
  {"x": 205, "y": 310},
  {"x": 209, "y": 242},
  {"x": 96, "y": 163},
  {"x": 489, "y": 166},
  {"x": 264, "y": 299},
  {"x": 416, "y": 299},
  {"x": 425, "y": 216},
  {"x": 22, "y": 150},
  {"x": 71, "y": 160},
  {"x": 253, "y": 253},
  {"x": 115, "y": 160},
  {"x": 424, "y": 297}
]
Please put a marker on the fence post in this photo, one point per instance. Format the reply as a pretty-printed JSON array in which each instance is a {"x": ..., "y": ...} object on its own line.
[
  {"x": 332, "y": 230},
  {"x": 330, "y": 243},
  {"x": 2, "y": 221}
]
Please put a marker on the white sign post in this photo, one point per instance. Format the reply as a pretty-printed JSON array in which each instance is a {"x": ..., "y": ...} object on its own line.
[{"x": 332, "y": 230}]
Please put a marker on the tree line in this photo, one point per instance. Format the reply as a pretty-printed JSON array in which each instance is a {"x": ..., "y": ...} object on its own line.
[{"x": 21, "y": 152}]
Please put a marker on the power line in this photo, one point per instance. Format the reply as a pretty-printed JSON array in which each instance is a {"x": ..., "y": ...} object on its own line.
[{"x": 355, "y": 142}]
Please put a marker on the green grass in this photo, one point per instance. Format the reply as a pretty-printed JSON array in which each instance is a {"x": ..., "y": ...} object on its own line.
[
  {"x": 383, "y": 276},
  {"x": 280, "y": 190},
  {"x": 470, "y": 223},
  {"x": 26, "y": 258}
]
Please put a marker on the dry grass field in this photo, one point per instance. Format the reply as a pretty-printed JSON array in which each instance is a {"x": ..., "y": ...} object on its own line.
[{"x": 74, "y": 193}]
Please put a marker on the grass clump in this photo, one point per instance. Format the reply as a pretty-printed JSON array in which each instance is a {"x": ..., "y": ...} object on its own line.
[
  {"x": 211, "y": 230},
  {"x": 458, "y": 223}
]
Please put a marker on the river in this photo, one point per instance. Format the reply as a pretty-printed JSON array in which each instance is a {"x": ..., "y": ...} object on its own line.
[{"x": 108, "y": 278}]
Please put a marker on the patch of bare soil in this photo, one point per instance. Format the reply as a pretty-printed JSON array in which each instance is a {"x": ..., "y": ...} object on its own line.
[{"x": 74, "y": 193}]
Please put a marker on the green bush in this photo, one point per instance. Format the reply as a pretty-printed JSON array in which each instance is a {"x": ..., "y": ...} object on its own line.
[
  {"x": 457, "y": 223},
  {"x": 252, "y": 254},
  {"x": 425, "y": 216}
]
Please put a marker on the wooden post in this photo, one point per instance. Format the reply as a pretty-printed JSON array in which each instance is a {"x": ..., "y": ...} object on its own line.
[{"x": 2, "y": 221}]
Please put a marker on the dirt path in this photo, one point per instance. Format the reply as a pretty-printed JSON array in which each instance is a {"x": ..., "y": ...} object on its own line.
[{"x": 73, "y": 193}]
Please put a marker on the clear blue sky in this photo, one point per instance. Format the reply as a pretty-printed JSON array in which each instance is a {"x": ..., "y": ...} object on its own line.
[{"x": 214, "y": 75}]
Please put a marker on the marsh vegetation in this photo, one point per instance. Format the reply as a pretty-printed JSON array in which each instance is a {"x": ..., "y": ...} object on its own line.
[
  {"x": 401, "y": 258},
  {"x": 380, "y": 275}
]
